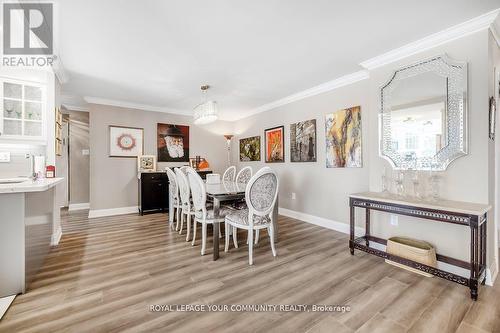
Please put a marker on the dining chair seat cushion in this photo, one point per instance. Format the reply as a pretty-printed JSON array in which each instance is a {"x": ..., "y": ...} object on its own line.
[
  {"x": 223, "y": 211},
  {"x": 241, "y": 217}
]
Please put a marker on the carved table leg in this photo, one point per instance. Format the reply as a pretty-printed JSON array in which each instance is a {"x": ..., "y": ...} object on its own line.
[
  {"x": 351, "y": 236},
  {"x": 474, "y": 272},
  {"x": 367, "y": 226}
]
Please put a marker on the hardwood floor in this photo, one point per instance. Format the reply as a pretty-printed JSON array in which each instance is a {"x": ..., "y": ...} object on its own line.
[{"x": 107, "y": 272}]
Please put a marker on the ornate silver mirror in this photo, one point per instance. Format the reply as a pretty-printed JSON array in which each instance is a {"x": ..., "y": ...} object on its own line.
[{"x": 423, "y": 119}]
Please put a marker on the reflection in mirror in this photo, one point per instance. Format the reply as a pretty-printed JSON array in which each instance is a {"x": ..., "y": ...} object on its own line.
[
  {"x": 418, "y": 116},
  {"x": 423, "y": 115}
]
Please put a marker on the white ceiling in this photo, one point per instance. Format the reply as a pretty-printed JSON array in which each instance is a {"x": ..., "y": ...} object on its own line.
[{"x": 158, "y": 53}]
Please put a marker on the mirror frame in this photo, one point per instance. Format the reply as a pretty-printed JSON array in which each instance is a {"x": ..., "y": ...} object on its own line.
[{"x": 456, "y": 136}]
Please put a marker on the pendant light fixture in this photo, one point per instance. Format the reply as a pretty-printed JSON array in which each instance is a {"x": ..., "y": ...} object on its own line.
[{"x": 206, "y": 112}]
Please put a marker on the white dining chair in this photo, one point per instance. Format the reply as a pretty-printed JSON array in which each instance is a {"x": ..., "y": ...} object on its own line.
[
  {"x": 244, "y": 175},
  {"x": 202, "y": 213},
  {"x": 184, "y": 169},
  {"x": 229, "y": 174},
  {"x": 174, "y": 196},
  {"x": 186, "y": 208},
  {"x": 260, "y": 195}
]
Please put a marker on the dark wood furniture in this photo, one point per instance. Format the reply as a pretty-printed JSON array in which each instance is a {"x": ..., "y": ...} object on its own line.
[
  {"x": 153, "y": 192},
  {"x": 473, "y": 216},
  {"x": 203, "y": 173}
]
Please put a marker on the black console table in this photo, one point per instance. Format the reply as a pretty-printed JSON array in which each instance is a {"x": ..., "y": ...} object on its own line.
[{"x": 470, "y": 215}]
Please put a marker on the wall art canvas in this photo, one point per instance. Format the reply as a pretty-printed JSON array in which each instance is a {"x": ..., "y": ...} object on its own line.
[
  {"x": 250, "y": 149},
  {"x": 303, "y": 141},
  {"x": 275, "y": 144},
  {"x": 173, "y": 143},
  {"x": 146, "y": 163},
  {"x": 125, "y": 141},
  {"x": 343, "y": 138}
]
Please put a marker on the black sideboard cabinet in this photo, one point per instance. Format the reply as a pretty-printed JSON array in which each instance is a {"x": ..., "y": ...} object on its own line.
[{"x": 153, "y": 192}]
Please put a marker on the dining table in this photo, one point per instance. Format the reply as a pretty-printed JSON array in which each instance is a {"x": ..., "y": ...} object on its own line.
[{"x": 229, "y": 191}]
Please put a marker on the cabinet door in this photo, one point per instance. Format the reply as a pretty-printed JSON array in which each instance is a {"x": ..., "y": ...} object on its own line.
[{"x": 152, "y": 194}]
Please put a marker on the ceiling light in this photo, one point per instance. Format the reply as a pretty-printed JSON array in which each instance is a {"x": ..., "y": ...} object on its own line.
[{"x": 206, "y": 112}]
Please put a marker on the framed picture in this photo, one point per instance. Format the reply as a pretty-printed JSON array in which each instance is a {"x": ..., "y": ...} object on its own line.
[
  {"x": 250, "y": 149},
  {"x": 146, "y": 163},
  {"x": 173, "y": 143},
  {"x": 343, "y": 138},
  {"x": 303, "y": 141},
  {"x": 125, "y": 141},
  {"x": 275, "y": 144}
]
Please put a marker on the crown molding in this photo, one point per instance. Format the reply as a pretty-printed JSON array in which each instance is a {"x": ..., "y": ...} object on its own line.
[
  {"x": 71, "y": 107},
  {"x": 130, "y": 105},
  {"x": 460, "y": 30},
  {"x": 59, "y": 70},
  {"x": 494, "y": 32},
  {"x": 319, "y": 89}
]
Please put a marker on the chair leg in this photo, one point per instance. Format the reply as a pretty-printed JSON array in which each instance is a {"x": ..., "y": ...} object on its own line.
[
  {"x": 182, "y": 223},
  {"x": 257, "y": 236},
  {"x": 178, "y": 217},
  {"x": 203, "y": 237},
  {"x": 220, "y": 232},
  {"x": 226, "y": 234},
  {"x": 270, "y": 230},
  {"x": 195, "y": 225},
  {"x": 188, "y": 227},
  {"x": 235, "y": 237},
  {"x": 250, "y": 247}
]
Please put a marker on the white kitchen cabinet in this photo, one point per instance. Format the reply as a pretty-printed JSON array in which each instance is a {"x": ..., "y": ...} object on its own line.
[{"x": 23, "y": 115}]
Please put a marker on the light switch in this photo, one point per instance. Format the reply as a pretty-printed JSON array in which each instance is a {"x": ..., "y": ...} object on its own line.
[
  {"x": 4, "y": 157},
  {"x": 85, "y": 152}
]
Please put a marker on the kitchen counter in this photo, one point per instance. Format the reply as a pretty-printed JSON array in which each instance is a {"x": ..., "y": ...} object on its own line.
[
  {"x": 29, "y": 185},
  {"x": 29, "y": 226}
]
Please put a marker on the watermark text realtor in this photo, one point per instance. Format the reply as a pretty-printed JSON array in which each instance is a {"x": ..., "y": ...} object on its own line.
[{"x": 27, "y": 34}]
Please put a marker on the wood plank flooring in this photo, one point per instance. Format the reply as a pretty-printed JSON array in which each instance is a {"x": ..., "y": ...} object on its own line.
[{"x": 107, "y": 272}]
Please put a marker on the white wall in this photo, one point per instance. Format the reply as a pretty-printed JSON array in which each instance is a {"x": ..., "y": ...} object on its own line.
[
  {"x": 113, "y": 180},
  {"x": 324, "y": 192},
  {"x": 319, "y": 191}
]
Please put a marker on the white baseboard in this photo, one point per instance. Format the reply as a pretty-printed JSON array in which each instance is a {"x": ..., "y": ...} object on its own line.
[
  {"x": 491, "y": 272},
  {"x": 320, "y": 221},
  {"x": 79, "y": 206},
  {"x": 56, "y": 237},
  {"x": 113, "y": 211}
]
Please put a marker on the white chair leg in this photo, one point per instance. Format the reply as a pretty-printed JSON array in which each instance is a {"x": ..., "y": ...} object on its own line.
[
  {"x": 248, "y": 237},
  {"x": 250, "y": 247},
  {"x": 220, "y": 232},
  {"x": 235, "y": 237},
  {"x": 182, "y": 223},
  {"x": 178, "y": 217},
  {"x": 256, "y": 236},
  {"x": 188, "y": 227},
  {"x": 226, "y": 234},
  {"x": 203, "y": 237},
  {"x": 195, "y": 225},
  {"x": 270, "y": 230}
]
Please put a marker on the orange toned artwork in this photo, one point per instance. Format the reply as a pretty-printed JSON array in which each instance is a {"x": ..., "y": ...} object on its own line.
[
  {"x": 275, "y": 145},
  {"x": 343, "y": 138}
]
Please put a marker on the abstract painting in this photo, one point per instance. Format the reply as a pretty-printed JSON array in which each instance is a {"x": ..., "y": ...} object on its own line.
[
  {"x": 343, "y": 138},
  {"x": 173, "y": 143},
  {"x": 303, "y": 141},
  {"x": 250, "y": 149},
  {"x": 125, "y": 141},
  {"x": 275, "y": 144}
]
